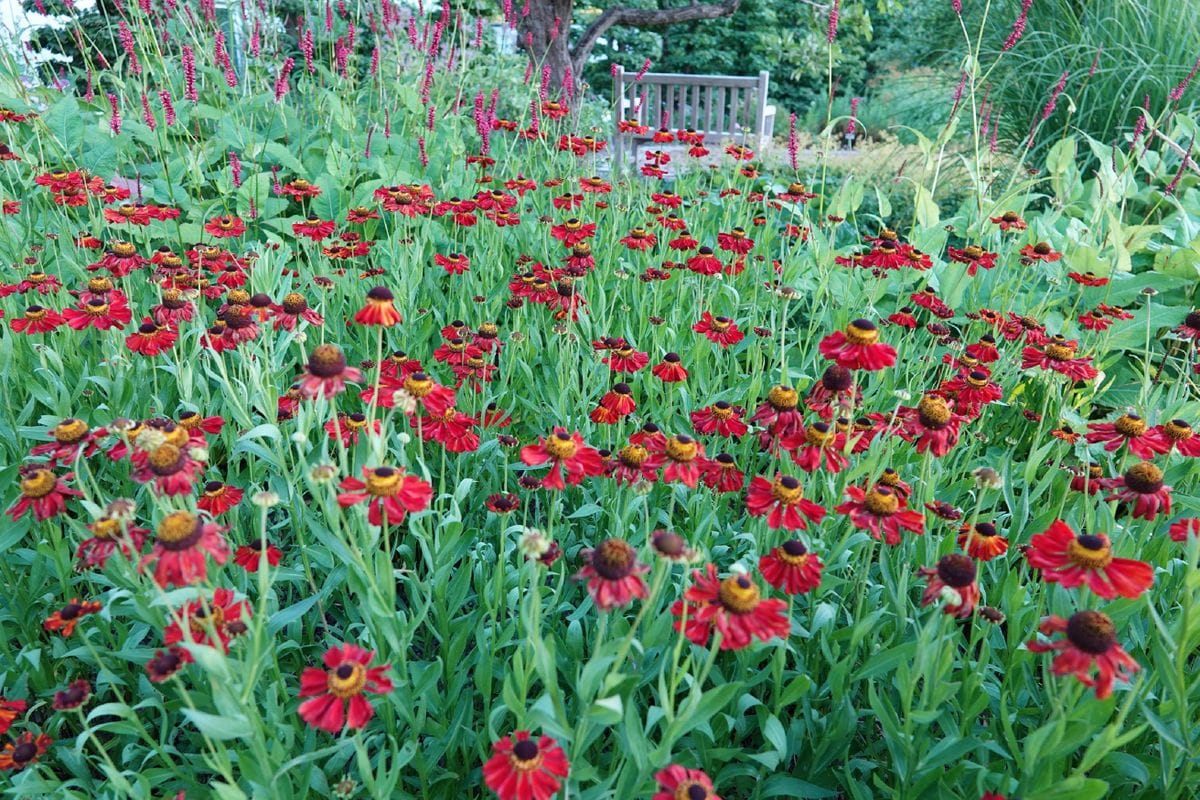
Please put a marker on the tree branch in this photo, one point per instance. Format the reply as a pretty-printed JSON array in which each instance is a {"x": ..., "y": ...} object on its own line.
[{"x": 644, "y": 18}]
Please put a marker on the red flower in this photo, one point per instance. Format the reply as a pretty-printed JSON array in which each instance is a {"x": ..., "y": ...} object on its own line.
[
  {"x": 623, "y": 358},
  {"x": 218, "y": 498},
  {"x": 670, "y": 370},
  {"x": 791, "y": 568},
  {"x": 66, "y": 618},
  {"x": 37, "y": 320},
  {"x": 390, "y": 492},
  {"x": 42, "y": 491},
  {"x": 1190, "y": 327},
  {"x": 1087, "y": 279},
  {"x": 563, "y": 451},
  {"x": 614, "y": 406},
  {"x": 1059, "y": 355},
  {"x": 973, "y": 256},
  {"x": 337, "y": 691},
  {"x": 502, "y": 503},
  {"x": 1009, "y": 221},
  {"x": 182, "y": 542},
  {"x": 98, "y": 313},
  {"x": 379, "y": 310},
  {"x": 150, "y": 339},
  {"x": 573, "y": 231},
  {"x": 932, "y": 424},
  {"x": 734, "y": 606},
  {"x": 73, "y": 696},
  {"x": 1180, "y": 530},
  {"x": 26, "y": 749},
  {"x": 212, "y": 622},
  {"x": 721, "y": 474},
  {"x": 166, "y": 663},
  {"x": 640, "y": 239},
  {"x": 170, "y": 467},
  {"x": 1129, "y": 430},
  {"x": 107, "y": 535},
  {"x": 454, "y": 264},
  {"x": 1073, "y": 560},
  {"x": 1142, "y": 485},
  {"x": 613, "y": 574},
  {"x": 858, "y": 347},
  {"x": 971, "y": 391},
  {"x": 679, "y": 783},
  {"x": 225, "y": 227},
  {"x": 778, "y": 412},
  {"x": 718, "y": 330},
  {"x": 736, "y": 241},
  {"x": 720, "y": 418},
  {"x": 9, "y": 711},
  {"x": 882, "y": 512},
  {"x": 525, "y": 769},
  {"x": 820, "y": 444},
  {"x": 704, "y": 262},
  {"x": 953, "y": 578},
  {"x": 249, "y": 556},
  {"x": 982, "y": 542},
  {"x": 327, "y": 372},
  {"x": 1178, "y": 434},
  {"x": 681, "y": 457},
  {"x": 1090, "y": 645},
  {"x": 313, "y": 228},
  {"x": 783, "y": 503}
]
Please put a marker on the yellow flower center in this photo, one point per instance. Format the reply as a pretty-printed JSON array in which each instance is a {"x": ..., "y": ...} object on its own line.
[
  {"x": 1177, "y": 430},
  {"x": 561, "y": 446},
  {"x": 418, "y": 385},
  {"x": 633, "y": 455},
  {"x": 383, "y": 482},
  {"x": 682, "y": 449},
  {"x": 166, "y": 459},
  {"x": 862, "y": 332},
  {"x": 122, "y": 249},
  {"x": 783, "y": 398},
  {"x": 38, "y": 483},
  {"x": 1089, "y": 551},
  {"x": 739, "y": 594},
  {"x": 1060, "y": 352},
  {"x": 347, "y": 680},
  {"x": 106, "y": 528},
  {"x": 178, "y": 530},
  {"x": 787, "y": 490},
  {"x": 881, "y": 502},
  {"x": 1130, "y": 425},
  {"x": 819, "y": 435},
  {"x": 70, "y": 431},
  {"x": 934, "y": 411}
]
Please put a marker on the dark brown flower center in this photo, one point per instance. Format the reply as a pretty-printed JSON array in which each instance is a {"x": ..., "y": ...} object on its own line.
[
  {"x": 614, "y": 559},
  {"x": 327, "y": 361},
  {"x": 1144, "y": 478},
  {"x": 1092, "y": 632},
  {"x": 24, "y": 752},
  {"x": 956, "y": 570},
  {"x": 837, "y": 378}
]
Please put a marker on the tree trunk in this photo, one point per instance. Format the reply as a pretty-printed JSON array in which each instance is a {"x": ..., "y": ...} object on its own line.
[{"x": 547, "y": 31}]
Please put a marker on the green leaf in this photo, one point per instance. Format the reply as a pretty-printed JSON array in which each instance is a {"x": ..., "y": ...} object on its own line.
[{"x": 219, "y": 727}]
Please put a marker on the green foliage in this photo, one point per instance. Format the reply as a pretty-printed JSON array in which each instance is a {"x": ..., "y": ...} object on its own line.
[{"x": 1141, "y": 50}]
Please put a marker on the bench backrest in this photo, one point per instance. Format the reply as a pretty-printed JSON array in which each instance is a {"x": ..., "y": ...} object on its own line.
[{"x": 719, "y": 105}]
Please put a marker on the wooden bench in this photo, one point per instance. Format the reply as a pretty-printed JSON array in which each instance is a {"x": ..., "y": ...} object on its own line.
[{"x": 719, "y": 106}]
